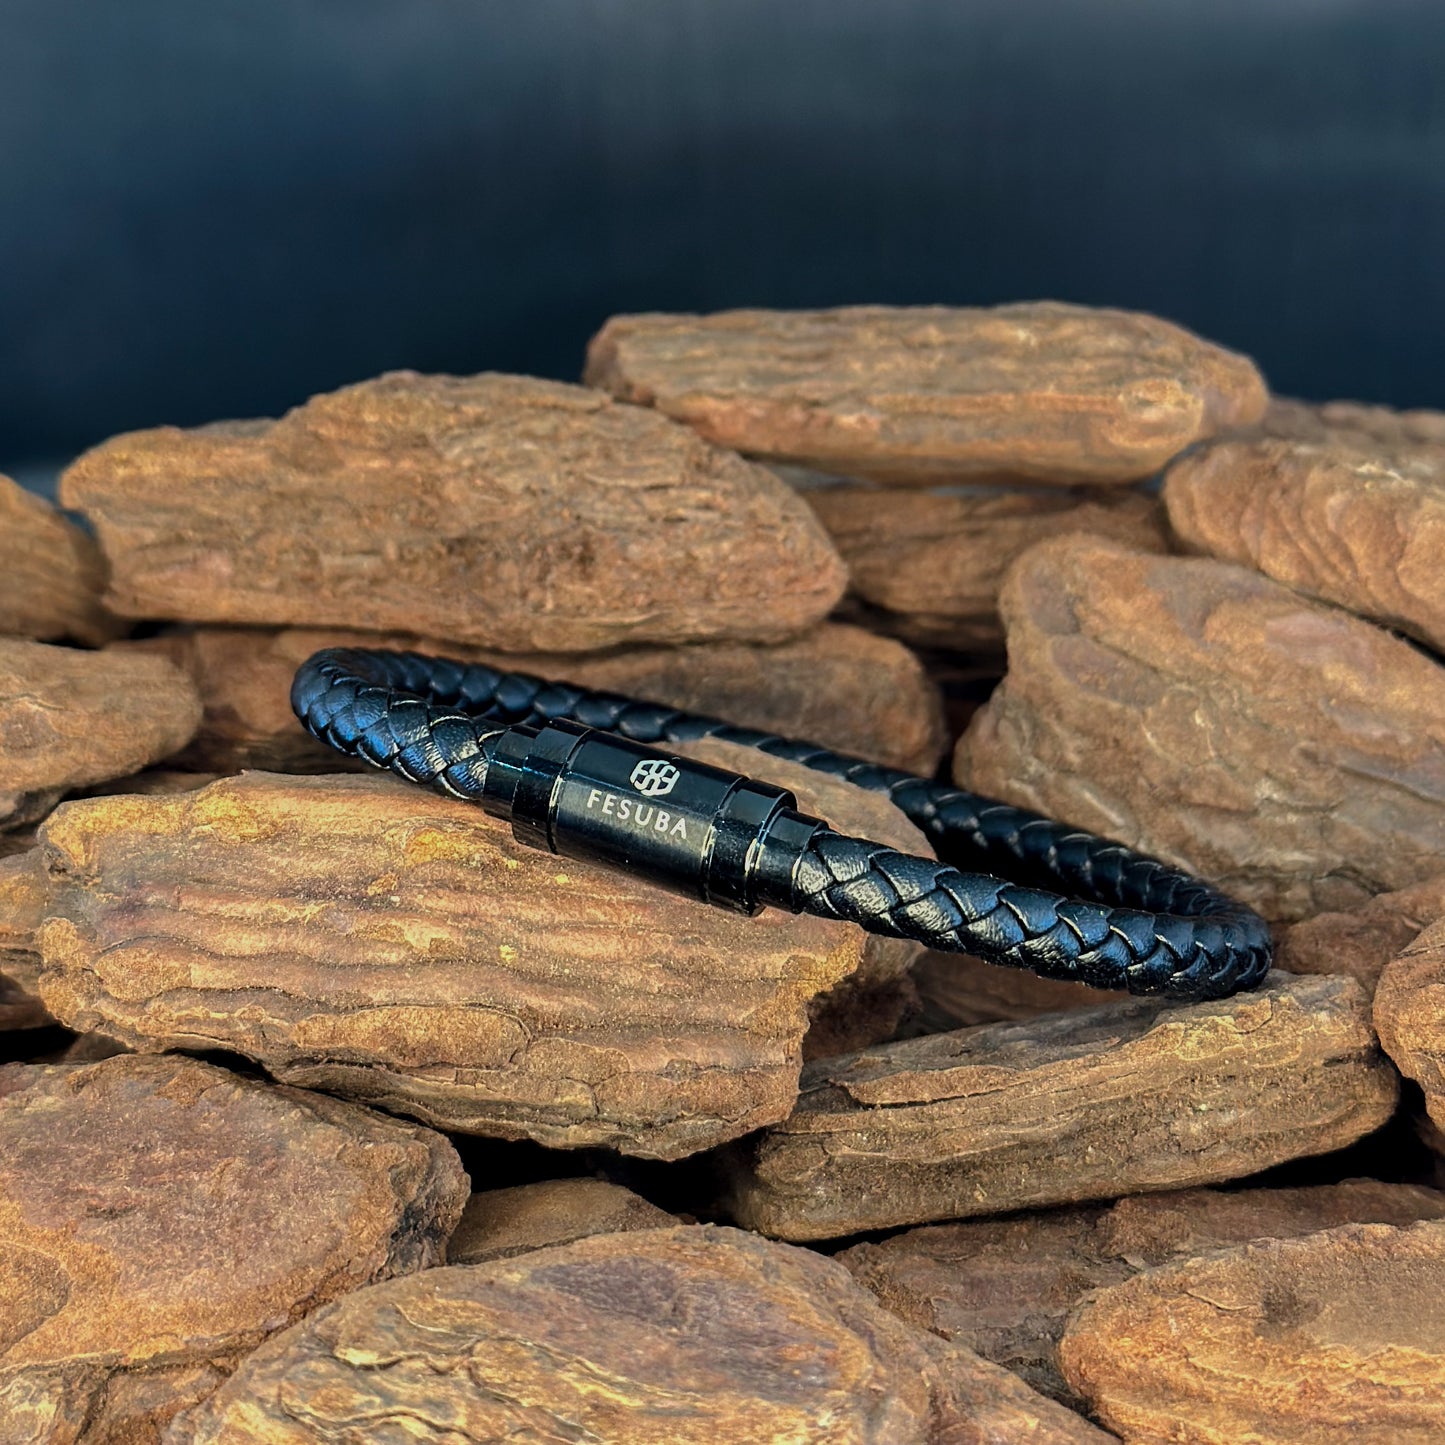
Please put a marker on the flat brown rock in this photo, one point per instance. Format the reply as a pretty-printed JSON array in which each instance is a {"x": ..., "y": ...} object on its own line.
[
  {"x": 51, "y": 573},
  {"x": 160, "y": 1217},
  {"x": 667, "y": 1337},
  {"x": 1208, "y": 716},
  {"x": 957, "y": 990},
  {"x": 68, "y": 718},
  {"x": 371, "y": 939},
  {"x": 23, "y": 893},
  {"x": 1349, "y": 421},
  {"x": 933, "y": 562},
  {"x": 866, "y": 1008},
  {"x": 840, "y": 686},
  {"x": 1093, "y": 1104},
  {"x": 20, "y": 1007},
  {"x": 499, "y": 1223},
  {"x": 1362, "y": 526},
  {"x": 83, "y": 1049},
  {"x": 1000, "y": 1287},
  {"x": 1410, "y": 1016},
  {"x": 498, "y": 510},
  {"x": 1004, "y": 1287},
  {"x": 1042, "y": 391},
  {"x": 1362, "y": 941},
  {"x": 1333, "y": 1339}
]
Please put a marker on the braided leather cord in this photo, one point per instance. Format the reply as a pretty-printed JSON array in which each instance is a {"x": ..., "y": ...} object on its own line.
[{"x": 1073, "y": 906}]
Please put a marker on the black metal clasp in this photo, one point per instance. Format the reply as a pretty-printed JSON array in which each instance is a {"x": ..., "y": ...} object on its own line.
[{"x": 697, "y": 829}]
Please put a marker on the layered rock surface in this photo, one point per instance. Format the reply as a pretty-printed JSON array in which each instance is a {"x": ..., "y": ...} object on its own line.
[
  {"x": 957, "y": 990},
  {"x": 69, "y": 718},
  {"x": 22, "y": 908},
  {"x": 1005, "y": 1287},
  {"x": 1410, "y": 1015},
  {"x": 1040, "y": 391},
  {"x": 371, "y": 939},
  {"x": 1349, "y": 422},
  {"x": 1361, "y": 525},
  {"x": 1362, "y": 941},
  {"x": 1331, "y": 1339},
  {"x": 496, "y": 510},
  {"x": 840, "y": 686},
  {"x": 51, "y": 573},
  {"x": 20, "y": 1007},
  {"x": 1091, "y": 1104},
  {"x": 500, "y": 1223},
  {"x": 933, "y": 562},
  {"x": 160, "y": 1217},
  {"x": 700, "y": 1335},
  {"x": 1208, "y": 716}
]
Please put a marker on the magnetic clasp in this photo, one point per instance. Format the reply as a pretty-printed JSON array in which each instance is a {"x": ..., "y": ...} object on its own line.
[
  {"x": 544, "y": 764},
  {"x": 775, "y": 870},
  {"x": 737, "y": 833},
  {"x": 686, "y": 825}
]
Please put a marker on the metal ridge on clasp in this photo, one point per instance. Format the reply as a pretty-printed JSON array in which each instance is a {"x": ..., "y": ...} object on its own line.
[{"x": 689, "y": 826}]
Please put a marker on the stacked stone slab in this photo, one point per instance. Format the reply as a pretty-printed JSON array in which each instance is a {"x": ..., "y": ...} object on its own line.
[
  {"x": 495, "y": 510},
  {"x": 700, "y": 1334},
  {"x": 1242, "y": 678},
  {"x": 1237, "y": 671},
  {"x": 53, "y": 574},
  {"x": 150, "y": 1234}
]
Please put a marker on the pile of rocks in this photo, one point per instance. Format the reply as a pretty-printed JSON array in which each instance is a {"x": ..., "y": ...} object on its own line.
[{"x": 298, "y": 1053}]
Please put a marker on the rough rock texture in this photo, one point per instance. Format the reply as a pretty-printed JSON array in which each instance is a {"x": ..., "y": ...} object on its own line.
[
  {"x": 1086, "y": 1105},
  {"x": 368, "y": 938},
  {"x": 1410, "y": 1016},
  {"x": 152, "y": 782},
  {"x": 186, "y": 1215},
  {"x": 68, "y": 718},
  {"x": 83, "y": 1049},
  {"x": 1206, "y": 715},
  {"x": 20, "y": 1007},
  {"x": 660, "y": 1338},
  {"x": 51, "y": 573},
  {"x": 872, "y": 1005},
  {"x": 1362, "y": 526},
  {"x": 1349, "y": 422},
  {"x": 1000, "y": 1287},
  {"x": 1364, "y": 940},
  {"x": 839, "y": 686},
  {"x": 22, "y": 907},
  {"x": 957, "y": 989},
  {"x": 499, "y": 510},
  {"x": 1333, "y": 1339},
  {"x": 933, "y": 562},
  {"x": 1004, "y": 1287},
  {"x": 500, "y": 1223},
  {"x": 1043, "y": 391}
]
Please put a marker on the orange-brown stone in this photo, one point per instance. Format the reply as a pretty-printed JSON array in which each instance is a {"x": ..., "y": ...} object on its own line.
[
  {"x": 498, "y": 510},
  {"x": 1039, "y": 390}
]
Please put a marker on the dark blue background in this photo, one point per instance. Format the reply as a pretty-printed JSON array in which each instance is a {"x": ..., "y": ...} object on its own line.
[{"x": 216, "y": 208}]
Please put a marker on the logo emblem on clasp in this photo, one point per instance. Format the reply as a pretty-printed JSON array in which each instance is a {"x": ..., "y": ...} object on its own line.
[{"x": 654, "y": 778}]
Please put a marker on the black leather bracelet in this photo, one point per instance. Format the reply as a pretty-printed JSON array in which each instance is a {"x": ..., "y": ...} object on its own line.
[{"x": 574, "y": 771}]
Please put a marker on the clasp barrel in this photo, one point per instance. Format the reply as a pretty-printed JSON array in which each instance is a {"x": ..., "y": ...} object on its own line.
[{"x": 697, "y": 829}]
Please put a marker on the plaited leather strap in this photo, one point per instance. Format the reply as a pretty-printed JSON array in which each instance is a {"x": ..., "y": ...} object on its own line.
[{"x": 1007, "y": 886}]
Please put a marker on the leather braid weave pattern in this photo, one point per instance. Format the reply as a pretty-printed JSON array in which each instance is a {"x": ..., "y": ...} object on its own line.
[{"x": 1071, "y": 906}]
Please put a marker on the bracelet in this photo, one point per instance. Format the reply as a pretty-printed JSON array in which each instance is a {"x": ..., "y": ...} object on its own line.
[{"x": 573, "y": 771}]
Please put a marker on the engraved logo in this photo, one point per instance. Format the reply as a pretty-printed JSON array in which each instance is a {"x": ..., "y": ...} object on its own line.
[{"x": 654, "y": 778}]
